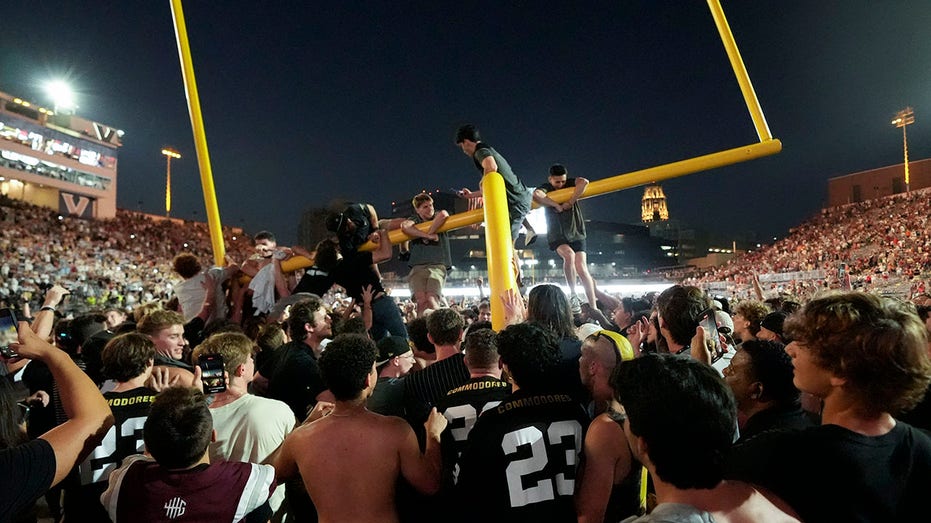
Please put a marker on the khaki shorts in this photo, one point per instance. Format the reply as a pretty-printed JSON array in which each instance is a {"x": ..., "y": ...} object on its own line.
[{"x": 428, "y": 278}]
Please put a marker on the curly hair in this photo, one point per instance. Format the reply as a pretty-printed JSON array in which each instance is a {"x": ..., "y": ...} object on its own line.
[
  {"x": 752, "y": 311},
  {"x": 481, "y": 348},
  {"x": 127, "y": 356},
  {"x": 326, "y": 255},
  {"x": 531, "y": 354},
  {"x": 772, "y": 366},
  {"x": 345, "y": 364},
  {"x": 186, "y": 265},
  {"x": 878, "y": 345}
]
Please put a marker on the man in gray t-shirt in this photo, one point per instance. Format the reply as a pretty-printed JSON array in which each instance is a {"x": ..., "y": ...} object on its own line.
[
  {"x": 565, "y": 231},
  {"x": 488, "y": 160}
]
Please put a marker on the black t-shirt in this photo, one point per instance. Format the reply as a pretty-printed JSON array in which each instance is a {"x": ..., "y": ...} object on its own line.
[
  {"x": 26, "y": 472},
  {"x": 315, "y": 281},
  {"x": 424, "y": 388},
  {"x": 296, "y": 379},
  {"x": 521, "y": 458},
  {"x": 461, "y": 407},
  {"x": 356, "y": 271},
  {"x": 358, "y": 214},
  {"x": 89, "y": 479},
  {"x": 829, "y": 473}
]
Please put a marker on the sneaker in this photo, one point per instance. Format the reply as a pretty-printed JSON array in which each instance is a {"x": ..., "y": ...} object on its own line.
[
  {"x": 529, "y": 238},
  {"x": 575, "y": 304}
]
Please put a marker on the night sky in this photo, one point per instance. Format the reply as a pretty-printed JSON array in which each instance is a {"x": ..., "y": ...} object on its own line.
[{"x": 305, "y": 102}]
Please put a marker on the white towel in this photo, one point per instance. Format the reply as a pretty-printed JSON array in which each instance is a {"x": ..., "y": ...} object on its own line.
[{"x": 263, "y": 289}]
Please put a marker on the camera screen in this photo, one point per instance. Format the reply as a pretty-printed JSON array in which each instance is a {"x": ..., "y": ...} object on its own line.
[
  {"x": 8, "y": 334},
  {"x": 212, "y": 375}
]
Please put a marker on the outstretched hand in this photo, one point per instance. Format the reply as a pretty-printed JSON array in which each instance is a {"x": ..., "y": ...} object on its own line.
[
  {"x": 514, "y": 307},
  {"x": 161, "y": 379}
]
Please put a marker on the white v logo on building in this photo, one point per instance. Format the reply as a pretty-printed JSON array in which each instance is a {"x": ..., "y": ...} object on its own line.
[{"x": 75, "y": 205}]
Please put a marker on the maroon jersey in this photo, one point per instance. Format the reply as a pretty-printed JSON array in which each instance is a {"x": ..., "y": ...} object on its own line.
[{"x": 141, "y": 490}]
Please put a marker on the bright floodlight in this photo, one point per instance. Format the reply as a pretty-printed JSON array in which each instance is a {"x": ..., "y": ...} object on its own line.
[{"x": 61, "y": 94}]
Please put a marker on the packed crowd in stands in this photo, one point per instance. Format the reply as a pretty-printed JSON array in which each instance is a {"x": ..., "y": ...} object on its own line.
[
  {"x": 881, "y": 246},
  {"x": 120, "y": 262},
  {"x": 677, "y": 406}
]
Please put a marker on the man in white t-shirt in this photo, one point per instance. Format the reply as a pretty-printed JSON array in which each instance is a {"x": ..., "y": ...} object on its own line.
[
  {"x": 192, "y": 291},
  {"x": 249, "y": 428}
]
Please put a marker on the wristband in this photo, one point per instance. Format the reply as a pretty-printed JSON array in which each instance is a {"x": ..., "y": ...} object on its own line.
[{"x": 47, "y": 308}]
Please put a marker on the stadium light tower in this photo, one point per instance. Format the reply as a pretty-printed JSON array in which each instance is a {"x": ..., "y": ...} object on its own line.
[
  {"x": 902, "y": 119},
  {"x": 169, "y": 154},
  {"x": 62, "y": 96}
]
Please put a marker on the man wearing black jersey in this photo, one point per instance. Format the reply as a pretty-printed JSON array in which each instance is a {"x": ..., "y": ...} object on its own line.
[
  {"x": 462, "y": 405},
  {"x": 127, "y": 359},
  {"x": 423, "y": 388},
  {"x": 520, "y": 458}
]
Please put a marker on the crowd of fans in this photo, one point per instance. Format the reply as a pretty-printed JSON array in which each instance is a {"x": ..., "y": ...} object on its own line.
[
  {"x": 880, "y": 246},
  {"x": 120, "y": 262},
  {"x": 677, "y": 406}
]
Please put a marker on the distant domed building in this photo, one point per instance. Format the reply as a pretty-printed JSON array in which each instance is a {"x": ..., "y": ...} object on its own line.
[{"x": 653, "y": 204}]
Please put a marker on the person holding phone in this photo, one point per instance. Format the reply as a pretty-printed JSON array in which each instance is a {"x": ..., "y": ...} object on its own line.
[
  {"x": 28, "y": 470},
  {"x": 248, "y": 427}
]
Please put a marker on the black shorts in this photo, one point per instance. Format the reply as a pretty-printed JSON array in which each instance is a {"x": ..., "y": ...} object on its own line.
[{"x": 576, "y": 246}]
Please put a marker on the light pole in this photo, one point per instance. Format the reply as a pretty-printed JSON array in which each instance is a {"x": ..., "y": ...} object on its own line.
[
  {"x": 902, "y": 119},
  {"x": 169, "y": 154}
]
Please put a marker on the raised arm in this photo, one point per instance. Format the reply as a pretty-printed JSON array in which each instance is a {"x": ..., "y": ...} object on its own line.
[
  {"x": 44, "y": 320},
  {"x": 89, "y": 416}
]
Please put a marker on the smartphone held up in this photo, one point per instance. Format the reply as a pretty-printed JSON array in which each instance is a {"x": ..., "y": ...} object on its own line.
[
  {"x": 211, "y": 368},
  {"x": 8, "y": 333}
]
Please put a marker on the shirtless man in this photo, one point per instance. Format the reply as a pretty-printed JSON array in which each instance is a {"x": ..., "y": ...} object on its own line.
[{"x": 350, "y": 460}]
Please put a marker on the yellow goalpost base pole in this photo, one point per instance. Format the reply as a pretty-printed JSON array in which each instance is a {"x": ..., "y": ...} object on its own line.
[
  {"x": 200, "y": 138},
  {"x": 498, "y": 247}
]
